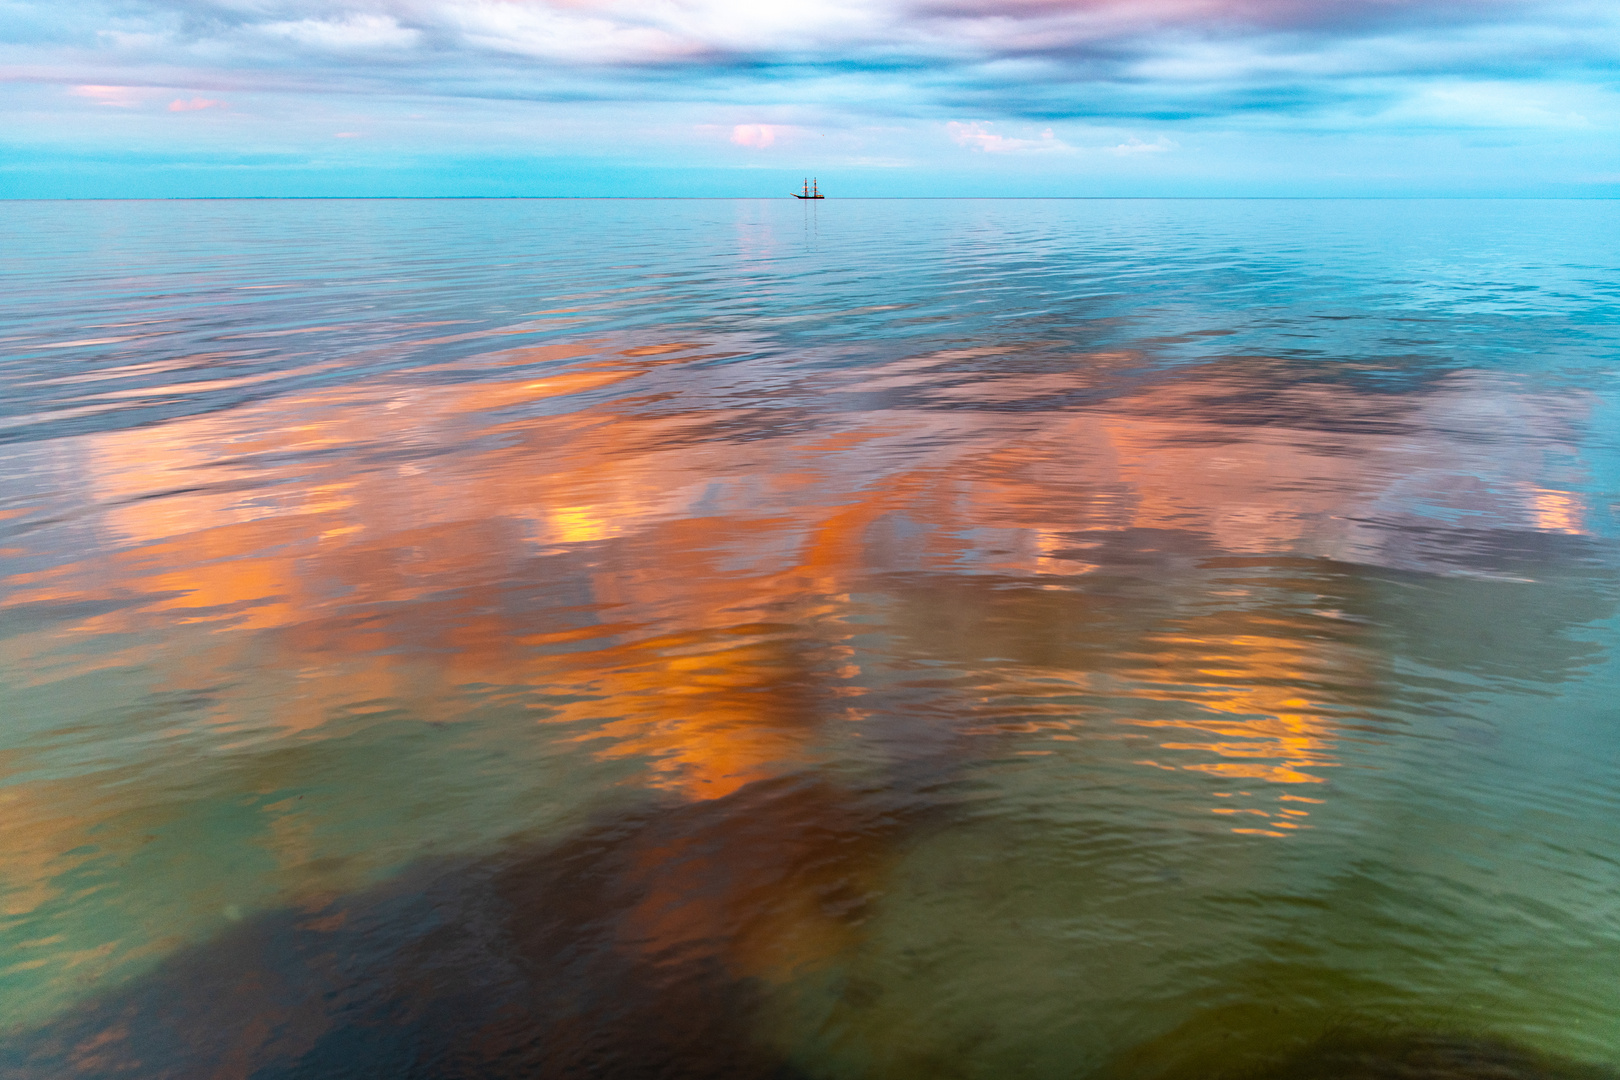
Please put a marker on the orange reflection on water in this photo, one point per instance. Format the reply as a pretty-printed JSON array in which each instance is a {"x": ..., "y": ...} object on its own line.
[
  {"x": 685, "y": 595},
  {"x": 1557, "y": 511},
  {"x": 713, "y": 711},
  {"x": 393, "y": 570},
  {"x": 1250, "y": 712},
  {"x": 673, "y": 588}
]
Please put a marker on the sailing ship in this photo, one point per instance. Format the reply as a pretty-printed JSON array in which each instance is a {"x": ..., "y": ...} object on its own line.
[{"x": 811, "y": 191}]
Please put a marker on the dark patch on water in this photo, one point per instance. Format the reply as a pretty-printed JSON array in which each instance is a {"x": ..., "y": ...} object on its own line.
[
  {"x": 1425, "y": 1056},
  {"x": 1205, "y": 1051},
  {"x": 636, "y": 950}
]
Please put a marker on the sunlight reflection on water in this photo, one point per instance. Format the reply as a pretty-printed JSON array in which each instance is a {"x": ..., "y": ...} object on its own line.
[{"x": 662, "y": 639}]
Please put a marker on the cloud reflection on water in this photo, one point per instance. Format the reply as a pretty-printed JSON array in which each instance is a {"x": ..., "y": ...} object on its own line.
[
  {"x": 952, "y": 561},
  {"x": 381, "y": 530}
]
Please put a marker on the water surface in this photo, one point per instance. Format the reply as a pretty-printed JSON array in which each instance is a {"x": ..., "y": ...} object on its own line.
[{"x": 865, "y": 639}]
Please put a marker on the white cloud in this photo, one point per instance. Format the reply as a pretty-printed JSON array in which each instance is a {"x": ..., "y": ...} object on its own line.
[
  {"x": 574, "y": 36},
  {"x": 976, "y": 134},
  {"x": 358, "y": 31},
  {"x": 1133, "y": 145},
  {"x": 1493, "y": 105}
]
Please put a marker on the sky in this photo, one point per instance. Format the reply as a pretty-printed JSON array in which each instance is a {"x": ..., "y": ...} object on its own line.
[{"x": 1081, "y": 98}]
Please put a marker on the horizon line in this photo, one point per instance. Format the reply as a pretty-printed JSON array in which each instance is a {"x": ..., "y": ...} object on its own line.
[{"x": 841, "y": 198}]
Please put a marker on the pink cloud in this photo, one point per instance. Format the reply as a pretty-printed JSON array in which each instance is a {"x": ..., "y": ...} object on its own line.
[
  {"x": 194, "y": 104},
  {"x": 758, "y": 136},
  {"x": 119, "y": 97}
]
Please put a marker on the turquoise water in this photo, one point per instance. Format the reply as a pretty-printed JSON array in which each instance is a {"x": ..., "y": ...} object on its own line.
[{"x": 865, "y": 639}]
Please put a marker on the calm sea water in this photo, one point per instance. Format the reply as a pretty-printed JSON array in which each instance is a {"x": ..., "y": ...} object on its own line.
[{"x": 868, "y": 639}]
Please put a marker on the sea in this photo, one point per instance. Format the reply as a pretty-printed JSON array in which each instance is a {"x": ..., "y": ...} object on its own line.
[{"x": 776, "y": 640}]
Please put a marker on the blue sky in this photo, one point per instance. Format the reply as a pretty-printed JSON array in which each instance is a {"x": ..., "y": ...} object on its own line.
[{"x": 159, "y": 98}]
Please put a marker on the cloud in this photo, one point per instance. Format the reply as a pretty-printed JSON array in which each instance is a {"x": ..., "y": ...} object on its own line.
[
  {"x": 977, "y": 135},
  {"x": 757, "y": 136},
  {"x": 351, "y": 32},
  {"x": 1492, "y": 105},
  {"x": 181, "y": 105},
  {"x": 118, "y": 97},
  {"x": 1134, "y": 145},
  {"x": 1032, "y": 84},
  {"x": 1034, "y": 57}
]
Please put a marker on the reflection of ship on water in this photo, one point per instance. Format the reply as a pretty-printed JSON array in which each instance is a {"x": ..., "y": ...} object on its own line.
[{"x": 811, "y": 190}]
